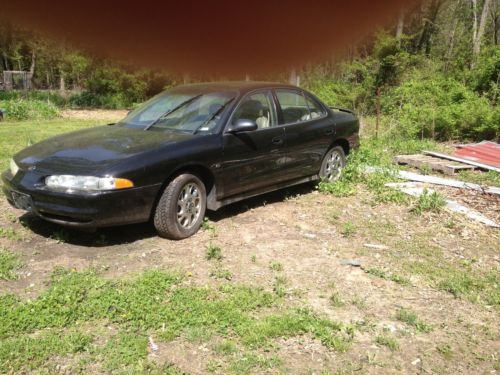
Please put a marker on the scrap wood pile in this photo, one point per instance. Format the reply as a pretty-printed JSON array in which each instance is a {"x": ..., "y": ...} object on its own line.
[{"x": 481, "y": 203}]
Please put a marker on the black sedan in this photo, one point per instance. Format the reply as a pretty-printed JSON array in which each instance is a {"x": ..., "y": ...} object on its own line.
[{"x": 188, "y": 149}]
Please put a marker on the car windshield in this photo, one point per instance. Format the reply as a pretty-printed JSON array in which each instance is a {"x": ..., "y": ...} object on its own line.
[{"x": 184, "y": 112}]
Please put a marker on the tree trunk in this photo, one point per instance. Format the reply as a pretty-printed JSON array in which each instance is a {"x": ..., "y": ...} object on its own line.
[
  {"x": 401, "y": 24},
  {"x": 476, "y": 48},
  {"x": 33, "y": 62},
  {"x": 495, "y": 19},
  {"x": 474, "y": 20},
  {"x": 62, "y": 86},
  {"x": 429, "y": 28},
  {"x": 449, "y": 54}
]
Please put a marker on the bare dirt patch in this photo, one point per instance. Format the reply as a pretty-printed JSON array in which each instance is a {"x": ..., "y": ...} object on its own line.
[{"x": 94, "y": 114}]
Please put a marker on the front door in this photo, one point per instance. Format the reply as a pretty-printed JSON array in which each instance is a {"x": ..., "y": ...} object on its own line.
[{"x": 254, "y": 159}]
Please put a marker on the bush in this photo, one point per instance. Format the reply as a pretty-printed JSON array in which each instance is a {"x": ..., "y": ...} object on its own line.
[
  {"x": 41, "y": 95},
  {"x": 28, "y": 109},
  {"x": 440, "y": 108}
]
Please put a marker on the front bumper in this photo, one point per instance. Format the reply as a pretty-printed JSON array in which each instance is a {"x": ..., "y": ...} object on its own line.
[{"x": 85, "y": 210}]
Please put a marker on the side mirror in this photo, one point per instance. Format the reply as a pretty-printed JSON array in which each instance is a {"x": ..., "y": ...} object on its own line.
[{"x": 243, "y": 125}]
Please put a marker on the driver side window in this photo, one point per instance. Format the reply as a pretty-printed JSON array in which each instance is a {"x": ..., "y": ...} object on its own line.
[{"x": 257, "y": 107}]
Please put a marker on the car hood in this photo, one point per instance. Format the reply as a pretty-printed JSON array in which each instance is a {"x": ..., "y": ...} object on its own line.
[{"x": 90, "y": 151}]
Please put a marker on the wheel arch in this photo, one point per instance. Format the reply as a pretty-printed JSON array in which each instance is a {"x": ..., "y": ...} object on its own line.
[
  {"x": 342, "y": 142},
  {"x": 199, "y": 170}
]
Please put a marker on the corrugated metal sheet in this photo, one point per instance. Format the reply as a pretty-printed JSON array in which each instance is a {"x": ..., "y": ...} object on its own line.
[{"x": 484, "y": 152}]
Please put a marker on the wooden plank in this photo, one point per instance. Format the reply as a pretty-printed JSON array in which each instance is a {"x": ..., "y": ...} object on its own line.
[
  {"x": 462, "y": 160},
  {"x": 424, "y": 161}
]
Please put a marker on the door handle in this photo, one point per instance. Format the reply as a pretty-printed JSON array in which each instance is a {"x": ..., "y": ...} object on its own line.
[
  {"x": 328, "y": 131},
  {"x": 277, "y": 141}
]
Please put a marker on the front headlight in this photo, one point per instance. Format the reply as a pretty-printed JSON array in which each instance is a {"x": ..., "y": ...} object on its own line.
[
  {"x": 13, "y": 167},
  {"x": 87, "y": 183}
]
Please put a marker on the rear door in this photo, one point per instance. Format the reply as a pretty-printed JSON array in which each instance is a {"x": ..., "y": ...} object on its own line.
[
  {"x": 254, "y": 159},
  {"x": 308, "y": 129}
]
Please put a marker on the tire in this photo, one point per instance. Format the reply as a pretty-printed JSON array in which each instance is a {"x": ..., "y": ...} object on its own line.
[
  {"x": 181, "y": 208},
  {"x": 333, "y": 163}
]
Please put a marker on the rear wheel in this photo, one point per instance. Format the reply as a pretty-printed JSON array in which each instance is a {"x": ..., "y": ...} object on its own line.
[
  {"x": 333, "y": 164},
  {"x": 181, "y": 208}
]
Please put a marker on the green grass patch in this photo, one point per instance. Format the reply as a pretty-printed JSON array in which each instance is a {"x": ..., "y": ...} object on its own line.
[
  {"x": 155, "y": 303},
  {"x": 389, "y": 276},
  {"x": 429, "y": 202},
  {"x": 389, "y": 341},
  {"x": 214, "y": 252},
  {"x": 14, "y": 136},
  {"x": 22, "y": 353},
  {"x": 409, "y": 317},
  {"x": 9, "y": 264}
]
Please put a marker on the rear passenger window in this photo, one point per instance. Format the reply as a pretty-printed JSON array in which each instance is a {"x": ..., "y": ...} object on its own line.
[
  {"x": 315, "y": 109},
  {"x": 293, "y": 105}
]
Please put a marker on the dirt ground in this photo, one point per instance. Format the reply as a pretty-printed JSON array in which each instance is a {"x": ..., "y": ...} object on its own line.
[
  {"x": 94, "y": 114},
  {"x": 316, "y": 238}
]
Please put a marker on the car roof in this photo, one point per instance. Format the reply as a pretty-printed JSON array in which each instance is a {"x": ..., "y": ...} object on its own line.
[{"x": 241, "y": 86}]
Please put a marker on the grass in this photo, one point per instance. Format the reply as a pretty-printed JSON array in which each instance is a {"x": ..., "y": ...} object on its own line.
[
  {"x": 214, "y": 252},
  {"x": 276, "y": 266},
  {"x": 388, "y": 341},
  {"x": 349, "y": 229},
  {"x": 336, "y": 300},
  {"x": 15, "y": 136},
  {"x": 429, "y": 202},
  {"x": 221, "y": 273},
  {"x": 409, "y": 317},
  {"x": 445, "y": 350},
  {"x": 155, "y": 303},
  {"x": 389, "y": 276},
  {"x": 11, "y": 234},
  {"x": 9, "y": 264}
]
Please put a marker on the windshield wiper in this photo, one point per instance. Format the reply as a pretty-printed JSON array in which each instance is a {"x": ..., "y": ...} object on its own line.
[
  {"x": 213, "y": 116},
  {"x": 172, "y": 111}
]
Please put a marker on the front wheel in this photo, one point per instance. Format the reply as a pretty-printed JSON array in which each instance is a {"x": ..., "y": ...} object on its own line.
[
  {"x": 332, "y": 165},
  {"x": 181, "y": 208}
]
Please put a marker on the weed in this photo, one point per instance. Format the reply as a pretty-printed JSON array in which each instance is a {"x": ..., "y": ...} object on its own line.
[
  {"x": 276, "y": 266},
  {"x": 410, "y": 317},
  {"x": 19, "y": 354},
  {"x": 359, "y": 302},
  {"x": 124, "y": 350},
  {"x": 254, "y": 258},
  {"x": 279, "y": 286},
  {"x": 336, "y": 299},
  {"x": 250, "y": 361},
  {"x": 445, "y": 350},
  {"x": 393, "y": 277},
  {"x": 221, "y": 273},
  {"x": 10, "y": 234},
  {"x": 425, "y": 169},
  {"x": 348, "y": 229},
  {"x": 388, "y": 341},
  {"x": 226, "y": 347},
  {"x": 429, "y": 202},
  {"x": 198, "y": 334},
  {"x": 9, "y": 264},
  {"x": 208, "y": 226},
  {"x": 214, "y": 252},
  {"x": 341, "y": 188},
  {"x": 60, "y": 236}
]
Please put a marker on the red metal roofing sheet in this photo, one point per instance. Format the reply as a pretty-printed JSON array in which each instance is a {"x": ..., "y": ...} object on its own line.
[{"x": 484, "y": 152}]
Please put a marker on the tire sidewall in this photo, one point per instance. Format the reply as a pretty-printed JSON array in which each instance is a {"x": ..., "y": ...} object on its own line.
[
  {"x": 172, "y": 228},
  {"x": 341, "y": 152}
]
